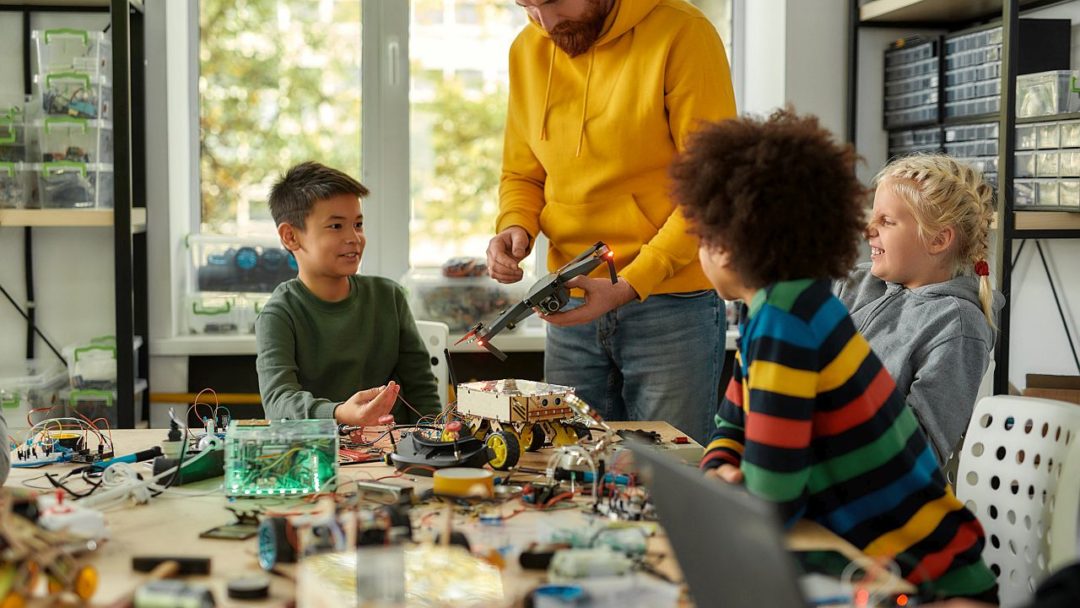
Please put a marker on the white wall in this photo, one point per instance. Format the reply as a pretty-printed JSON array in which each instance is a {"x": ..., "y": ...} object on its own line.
[
  {"x": 796, "y": 52},
  {"x": 73, "y": 267}
]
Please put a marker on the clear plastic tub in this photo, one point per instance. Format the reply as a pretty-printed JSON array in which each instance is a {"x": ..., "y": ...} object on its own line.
[
  {"x": 462, "y": 302},
  {"x": 1069, "y": 163},
  {"x": 915, "y": 137},
  {"x": 972, "y": 107},
  {"x": 75, "y": 185},
  {"x": 912, "y": 116},
  {"x": 926, "y": 67},
  {"x": 92, "y": 365},
  {"x": 1069, "y": 194},
  {"x": 96, "y": 404},
  {"x": 76, "y": 94},
  {"x": 81, "y": 140},
  {"x": 1046, "y": 164},
  {"x": 238, "y": 264},
  {"x": 1025, "y": 193},
  {"x": 13, "y": 140},
  {"x": 31, "y": 385},
  {"x": 1026, "y": 137},
  {"x": 1025, "y": 164},
  {"x": 1048, "y": 136},
  {"x": 1046, "y": 194},
  {"x": 16, "y": 185},
  {"x": 252, "y": 307},
  {"x": 214, "y": 314},
  {"x": 1070, "y": 134},
  {"x": 1047, "y": 93},
  {"x": 911, "y": 85},
  {"x": 67, "y": 50},
  {"x": 911, "y": 100},
  {"x": 982, "y": 131}
]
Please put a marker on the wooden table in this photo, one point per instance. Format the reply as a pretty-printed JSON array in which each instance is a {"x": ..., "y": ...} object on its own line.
[{"x": 170, "y": 525}]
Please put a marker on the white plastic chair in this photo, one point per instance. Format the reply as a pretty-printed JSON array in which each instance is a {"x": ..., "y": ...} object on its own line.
[
  {"x": 435, "y": 336},
  {"x": 1019, "y": 473}
]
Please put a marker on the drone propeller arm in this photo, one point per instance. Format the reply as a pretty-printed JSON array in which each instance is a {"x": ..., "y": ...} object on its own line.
[{"x": 512, "y": 316}]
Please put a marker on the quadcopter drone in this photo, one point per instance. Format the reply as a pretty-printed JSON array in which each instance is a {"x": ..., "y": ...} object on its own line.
[{"x": 548, "y": 295}]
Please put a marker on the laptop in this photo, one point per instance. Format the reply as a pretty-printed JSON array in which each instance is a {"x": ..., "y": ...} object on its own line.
[{"x": 729, "y": 544}]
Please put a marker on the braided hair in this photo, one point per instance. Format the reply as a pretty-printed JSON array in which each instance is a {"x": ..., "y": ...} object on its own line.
[{"x": 943, "y": 192}]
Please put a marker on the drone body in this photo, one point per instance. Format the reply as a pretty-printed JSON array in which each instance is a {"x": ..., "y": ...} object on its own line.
[{"x": 548, "y": 295}]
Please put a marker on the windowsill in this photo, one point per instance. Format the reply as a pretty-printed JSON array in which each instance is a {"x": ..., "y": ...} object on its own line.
[{"x": 526, "y": 339}]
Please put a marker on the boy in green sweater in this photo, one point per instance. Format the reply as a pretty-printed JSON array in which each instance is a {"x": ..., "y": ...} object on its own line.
[{"x": 331, "y": 343}]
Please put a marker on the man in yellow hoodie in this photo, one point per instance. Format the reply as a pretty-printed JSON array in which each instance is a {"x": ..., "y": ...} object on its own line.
[{"x": 602, "y": 96}]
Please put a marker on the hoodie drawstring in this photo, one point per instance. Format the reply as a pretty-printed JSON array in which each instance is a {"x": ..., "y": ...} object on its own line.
[
  {"x": 584, "y": 101},
  {"x": 547, "y": 95}
]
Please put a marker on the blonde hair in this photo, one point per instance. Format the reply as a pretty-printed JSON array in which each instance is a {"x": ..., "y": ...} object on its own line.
[{"x": 942, "y": 192}]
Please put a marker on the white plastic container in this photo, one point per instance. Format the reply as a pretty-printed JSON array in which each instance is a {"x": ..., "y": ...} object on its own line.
[
  {"x": 75, "y": 185},
  {"x": 92, "y": 365},
  {"x": 214, "y": 314},
  {"x": 67, "y": 49},
  {"x": 238, "y": 264},
  {"x": 1046, "y": 164},
  {"x": 16, "y": 185},
  {"x": 32, "y": 385},
  {"x": 1046, "y": 194},
  {"x": 64, "y": 138},
  {"x": 1070, "y": 134},
  {"x": 1025, "y": 193},
  {"x": 1047, "y": 93},
  {"x": 76, "y": 94},
  {"x": 461, "y": 302},
  {"x": 1069, "y": 194},
  {"x": 13, "y": 139},
  {"x": 1048, "y": 135}
]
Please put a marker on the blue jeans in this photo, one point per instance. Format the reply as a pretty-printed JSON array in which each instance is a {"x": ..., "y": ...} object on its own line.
[{"x": 654, "y": 360}]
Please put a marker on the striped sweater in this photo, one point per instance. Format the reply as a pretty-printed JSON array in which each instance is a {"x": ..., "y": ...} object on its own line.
[{"x": 816, "y": 425}]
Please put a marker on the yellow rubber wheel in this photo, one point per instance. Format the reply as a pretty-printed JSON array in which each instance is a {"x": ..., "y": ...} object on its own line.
[
  {"x": 504, "y": 450},
  {"x": 13, "y": 600},
  {"x": 86, "y": 582},
  {"x": 564, "y": 435},
  {"x": 532, "y": 437}
]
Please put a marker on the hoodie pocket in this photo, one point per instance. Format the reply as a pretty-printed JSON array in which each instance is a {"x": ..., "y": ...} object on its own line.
[{"x": 617, "y": 221}]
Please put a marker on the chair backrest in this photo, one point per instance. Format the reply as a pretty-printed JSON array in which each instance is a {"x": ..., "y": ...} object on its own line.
[
  {"x": 1011, "y": 476},
  {"x": 435, "y": 336}
]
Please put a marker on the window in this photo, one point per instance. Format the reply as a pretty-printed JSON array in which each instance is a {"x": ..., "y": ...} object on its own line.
[
  {"x": 456, "y": 126},
  {"x": 279, "y": 84}
]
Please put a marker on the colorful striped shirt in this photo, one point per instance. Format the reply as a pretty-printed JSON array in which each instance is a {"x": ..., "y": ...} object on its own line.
[{"x": 817, "y": 426}]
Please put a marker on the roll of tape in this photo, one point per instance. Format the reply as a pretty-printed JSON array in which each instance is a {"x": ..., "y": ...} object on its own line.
[{"x": 464, "y": 482}]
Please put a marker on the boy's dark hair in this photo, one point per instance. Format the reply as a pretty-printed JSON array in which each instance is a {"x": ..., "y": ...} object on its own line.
[
  {"x": 293, "y": 196},
  {"x": 779, "y": 195}
]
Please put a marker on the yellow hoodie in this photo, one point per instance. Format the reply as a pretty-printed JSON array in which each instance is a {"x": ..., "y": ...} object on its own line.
[{"x": 589, "y": 139}]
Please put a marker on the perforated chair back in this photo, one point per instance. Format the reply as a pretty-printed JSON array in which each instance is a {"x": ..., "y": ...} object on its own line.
[
  {"x": 1014, "y": 475},
  {"x": 435, "y": 336}
]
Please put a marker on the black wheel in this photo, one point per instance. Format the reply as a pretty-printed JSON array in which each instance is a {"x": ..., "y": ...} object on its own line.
[
  {"x": 504, "y": 450},
  {"x": 533, "y": 437},
  {"x": 275, "y": 546}
]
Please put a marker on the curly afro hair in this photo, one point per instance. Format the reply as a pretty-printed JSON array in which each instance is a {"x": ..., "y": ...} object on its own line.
[{"x": 780, "y": 195}]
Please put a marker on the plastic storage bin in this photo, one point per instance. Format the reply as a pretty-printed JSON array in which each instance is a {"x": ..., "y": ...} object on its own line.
[
  {"x": 16, "y": 185},
  {"x": 1026, "y": 137},
  {"x": 1025, "y": 164},
  {"x": 13, "y": 140},
  {"x": 95, "y": 404},
  {"x": 1046, "y": 164},
  {"x": 92, "y": 365},
  {"x": 252, "y": 307},
  {"x": 81, "y": 140},
  {"x": 238, "y": 264},
  {"x": 1024, "y": 193},
  {"x": 1069, "y": 194},
  {"x": 1047, "y": 93},
  {"x": 459, "y": 302},
  {"x": 1046, "y": 193},
  {"x": 32, "y": 385},
  {"x": 76, "y": 94},
  {"x": 67, "y": 50},
  {"x": 1070, "y": 134},
  {"x": 1069, "y": 163},
  {"x": 75, "y": 185},
  {"x": 215, "y": 314}
]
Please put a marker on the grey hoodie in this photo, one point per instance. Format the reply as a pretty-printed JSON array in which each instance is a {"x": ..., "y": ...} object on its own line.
[{"x": 935, "y": 342}]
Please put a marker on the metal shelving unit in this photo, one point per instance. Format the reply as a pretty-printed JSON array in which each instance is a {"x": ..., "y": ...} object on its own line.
[
  {"x": 128, "y": 217},
  {"x": 1012, "y": 225}
]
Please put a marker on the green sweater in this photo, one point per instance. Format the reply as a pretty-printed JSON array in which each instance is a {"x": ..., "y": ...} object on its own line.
[{"x": 314, "y": 354}]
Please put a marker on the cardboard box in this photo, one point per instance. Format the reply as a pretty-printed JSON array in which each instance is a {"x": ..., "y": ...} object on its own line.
[{"x": 1058, "y": 388}]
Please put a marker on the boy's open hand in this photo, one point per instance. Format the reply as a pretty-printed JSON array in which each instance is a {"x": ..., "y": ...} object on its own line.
[
  {"x": 726, "y": 472},
  {"x": 369, "y": 407}
]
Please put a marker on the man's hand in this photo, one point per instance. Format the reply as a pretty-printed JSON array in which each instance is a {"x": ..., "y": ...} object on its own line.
[
  {"x": 505, "y": 251},
  {"x": 600, "y": 297},
  {"x": 726, "y": 472},
  {"x": 369, "y": 407}
]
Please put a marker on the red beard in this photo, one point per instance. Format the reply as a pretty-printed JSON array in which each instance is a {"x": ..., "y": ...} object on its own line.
[{"x": 576, "y": 37}]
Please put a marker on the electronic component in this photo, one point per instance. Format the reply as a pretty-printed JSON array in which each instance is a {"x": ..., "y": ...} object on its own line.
[
  {"x": 585, "y": 563},
  {"x": 282, "y": 457},
  {"x": 413, "y": 449}
]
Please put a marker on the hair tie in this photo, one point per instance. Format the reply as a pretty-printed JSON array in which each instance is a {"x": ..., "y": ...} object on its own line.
[{"x": 982, "y": 268}]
